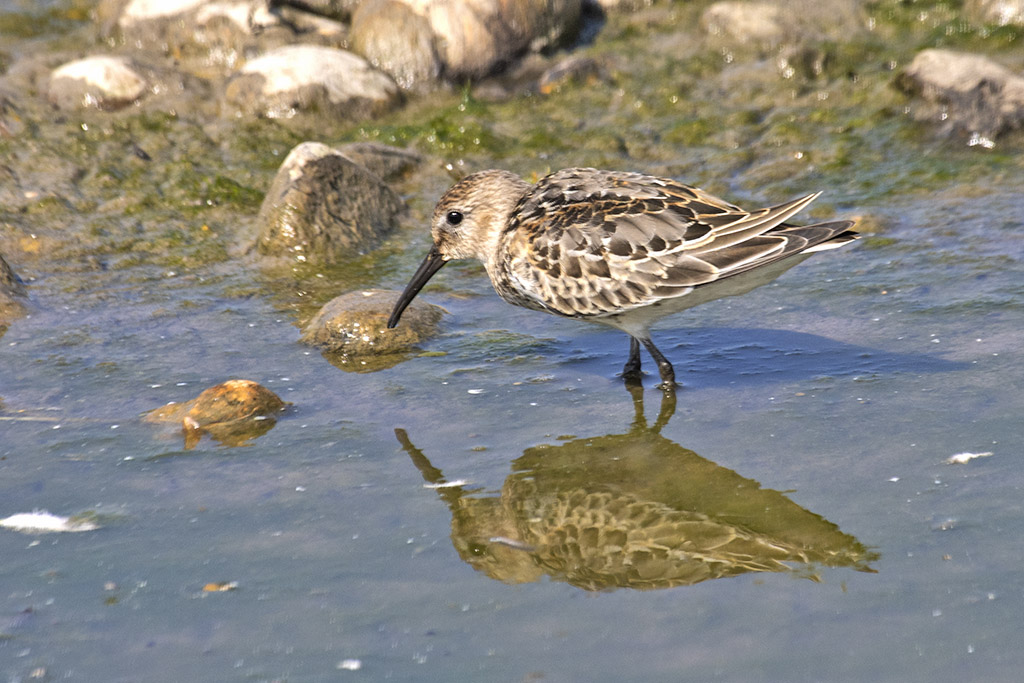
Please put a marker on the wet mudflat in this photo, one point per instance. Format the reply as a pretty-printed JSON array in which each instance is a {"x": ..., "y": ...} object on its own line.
[{"x": 494, "y": 504}]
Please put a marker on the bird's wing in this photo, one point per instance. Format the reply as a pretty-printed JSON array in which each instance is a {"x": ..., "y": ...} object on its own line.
[{"x": 588, "y": 243}]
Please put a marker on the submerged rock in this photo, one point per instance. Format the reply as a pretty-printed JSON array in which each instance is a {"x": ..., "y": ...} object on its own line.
[
  {"x": 233, "y": 412},
  {"x": 965, "y": 93},
  {"x": 458, "y": 38},
  {"x": 322, "y": 207},
  {"x": 354, "y": 325},
  {"x": 100, "y": 81},
  {"x": 297, "y": 78}
]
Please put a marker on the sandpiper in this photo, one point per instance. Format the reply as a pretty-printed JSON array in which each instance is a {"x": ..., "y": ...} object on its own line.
[{"x": 623, "y": 249}]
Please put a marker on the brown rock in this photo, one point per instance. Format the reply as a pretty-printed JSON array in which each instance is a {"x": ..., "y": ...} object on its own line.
[{"x": 233, "y": 412}]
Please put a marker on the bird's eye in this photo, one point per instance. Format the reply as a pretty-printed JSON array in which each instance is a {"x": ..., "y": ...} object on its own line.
[{"x": 454, "y": 217}]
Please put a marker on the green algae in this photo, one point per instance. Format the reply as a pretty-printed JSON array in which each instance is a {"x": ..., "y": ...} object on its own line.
[{"x": 167, "y": 188}]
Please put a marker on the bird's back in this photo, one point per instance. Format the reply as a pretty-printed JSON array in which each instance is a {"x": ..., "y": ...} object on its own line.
[{"x": 586, "y": 243}]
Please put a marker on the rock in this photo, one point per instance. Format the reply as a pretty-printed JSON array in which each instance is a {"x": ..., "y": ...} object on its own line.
[
  {"x": 397, "y": 40},
  {"x": 997, "y": 12},
  {"x": 101, "y": 81},
  {"x": 771, "y": 24},
  {"x": 298, "y": 78},
  {"x": 383, "y": 161},
  {"x": 12, "y": 295},
  {"x": 233, "y": 412},
  {"x": 10, "y": 283},
  {"x": 322, "y": 207},
  {"x": 966, "y": 93},
  {"x": 354, "y": 325},
  {"x": 472, "y": 38},
  {"x": 236, "y": 399}
]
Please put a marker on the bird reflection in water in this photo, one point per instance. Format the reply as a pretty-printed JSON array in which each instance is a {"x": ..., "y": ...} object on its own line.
[{"x": 634, "y": 510}]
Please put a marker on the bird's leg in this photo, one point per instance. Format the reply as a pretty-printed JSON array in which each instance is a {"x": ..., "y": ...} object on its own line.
[
  {"x": 631, "y": 370},
  {"x": 668, "y": 373}
]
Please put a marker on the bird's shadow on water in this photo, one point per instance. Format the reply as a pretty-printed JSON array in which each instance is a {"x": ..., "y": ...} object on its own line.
[
  {"x": 632, "y": 510},
  {"x": 718, "y": 356}
]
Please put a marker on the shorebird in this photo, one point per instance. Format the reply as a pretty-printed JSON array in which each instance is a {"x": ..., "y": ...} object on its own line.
[{"x": 622, "y": 249}]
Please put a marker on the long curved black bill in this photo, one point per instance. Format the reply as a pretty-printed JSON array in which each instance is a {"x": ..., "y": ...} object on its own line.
[{"x": 431, "y": 264}]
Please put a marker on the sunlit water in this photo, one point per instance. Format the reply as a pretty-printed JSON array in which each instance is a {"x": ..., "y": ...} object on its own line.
[{"x": 845, "y": 386}]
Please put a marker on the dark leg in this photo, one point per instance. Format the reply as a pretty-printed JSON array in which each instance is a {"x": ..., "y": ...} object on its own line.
[
  {"x": 631, "y": 370},
  {"x": 668, "y": 374}
]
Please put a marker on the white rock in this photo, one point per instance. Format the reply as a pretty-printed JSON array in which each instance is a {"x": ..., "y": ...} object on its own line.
[
  {"x": 98, "y": 81},
  {"x": 342, "y": 74}
]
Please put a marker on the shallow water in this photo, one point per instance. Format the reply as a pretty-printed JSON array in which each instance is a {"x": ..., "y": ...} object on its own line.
[{"x": 829, "y": 400}]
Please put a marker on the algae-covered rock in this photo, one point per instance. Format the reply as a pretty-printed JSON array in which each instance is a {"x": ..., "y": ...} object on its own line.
[
  {"x": 355, "y": 325},
  {"x": 322, "y": 207},
  {"x": 965, "y": 93}
]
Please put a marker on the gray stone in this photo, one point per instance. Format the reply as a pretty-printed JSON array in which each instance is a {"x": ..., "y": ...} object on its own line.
[
  {"x": 101, "y": 81},
  {"x": 965, "y": 93},
  {"x": 323, "y": 207},
  {"x": 299, "y": 78},
  {"x": 355, "y": 324}
]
